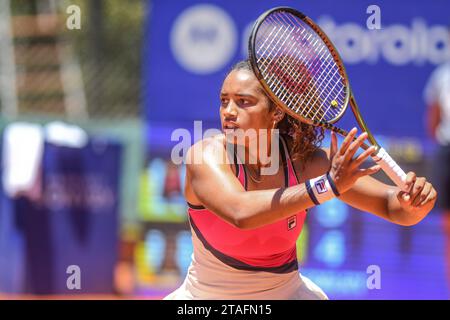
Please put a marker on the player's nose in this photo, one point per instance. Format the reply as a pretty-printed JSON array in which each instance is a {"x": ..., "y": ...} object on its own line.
[{"x": 231, "y": 110}]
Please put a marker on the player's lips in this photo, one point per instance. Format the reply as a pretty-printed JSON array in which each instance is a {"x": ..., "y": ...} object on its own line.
[{"x": 229, "y": 125}]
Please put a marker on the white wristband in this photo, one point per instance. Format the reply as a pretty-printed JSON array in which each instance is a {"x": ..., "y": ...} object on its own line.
[{"x": 321, "y": 189}]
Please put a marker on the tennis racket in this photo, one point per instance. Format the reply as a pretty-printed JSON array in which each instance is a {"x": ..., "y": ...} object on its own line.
[{"x": 302, "y": 72}]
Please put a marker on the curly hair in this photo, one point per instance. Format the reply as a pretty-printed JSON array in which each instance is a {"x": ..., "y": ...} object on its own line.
[{"x": 305, "y": 138}]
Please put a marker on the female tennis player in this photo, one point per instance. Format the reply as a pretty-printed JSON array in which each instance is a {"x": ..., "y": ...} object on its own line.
[{"x": 245, "y": 224}]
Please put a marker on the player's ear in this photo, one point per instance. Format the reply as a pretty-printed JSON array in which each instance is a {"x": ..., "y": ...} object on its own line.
[{"x": 278, "y": 114}]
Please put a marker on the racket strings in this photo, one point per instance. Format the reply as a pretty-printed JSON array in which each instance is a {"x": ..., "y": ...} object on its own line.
[
  {"x": 302, "y": 84},
  {"x": 328, "y": 67},
  {"x": 298, "y": 67},
  {"x": 284, "y": 59},
  {"x": 283, "y": 80},
  {"x": 314, "y": 90}
]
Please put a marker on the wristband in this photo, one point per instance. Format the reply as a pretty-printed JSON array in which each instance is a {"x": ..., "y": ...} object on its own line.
[{"x": 321, "y": 189}]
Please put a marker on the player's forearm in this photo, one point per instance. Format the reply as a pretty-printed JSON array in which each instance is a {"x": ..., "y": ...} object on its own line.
[{"x": 262, "y": 207}]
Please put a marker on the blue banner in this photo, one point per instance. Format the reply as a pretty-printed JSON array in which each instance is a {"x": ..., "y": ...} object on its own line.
[
  {"x": 189, "y": 47},
  {"x": 71, "y": 226}
]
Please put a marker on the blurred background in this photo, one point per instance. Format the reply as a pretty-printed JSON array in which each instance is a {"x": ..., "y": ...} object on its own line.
[{"x": 91, "y": 203}]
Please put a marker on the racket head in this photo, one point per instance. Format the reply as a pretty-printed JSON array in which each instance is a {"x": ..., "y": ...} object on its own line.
[{"x": 289, "y": 77}]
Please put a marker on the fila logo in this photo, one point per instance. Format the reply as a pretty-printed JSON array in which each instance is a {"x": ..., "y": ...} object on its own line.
[
  {"x": 292, "y": 222},
  {"x": 320, "y": 186}
]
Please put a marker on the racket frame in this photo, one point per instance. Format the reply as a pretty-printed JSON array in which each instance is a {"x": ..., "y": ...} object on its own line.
[{"x": 349, "y": 99}]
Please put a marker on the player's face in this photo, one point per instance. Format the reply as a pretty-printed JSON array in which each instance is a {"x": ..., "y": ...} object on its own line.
[{"x": 243, "y": 104}]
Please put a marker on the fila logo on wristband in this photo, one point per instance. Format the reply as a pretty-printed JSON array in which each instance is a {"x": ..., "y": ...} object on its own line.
[
  {"x": 321, "y": 186},
  {"x": 321, "y": 189}
]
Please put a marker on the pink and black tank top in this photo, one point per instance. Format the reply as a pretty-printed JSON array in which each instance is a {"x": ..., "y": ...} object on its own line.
[{"x": 271, "y": 248}]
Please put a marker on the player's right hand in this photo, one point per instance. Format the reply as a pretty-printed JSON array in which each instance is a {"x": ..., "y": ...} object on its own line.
[{"x": 345, "y": 167}]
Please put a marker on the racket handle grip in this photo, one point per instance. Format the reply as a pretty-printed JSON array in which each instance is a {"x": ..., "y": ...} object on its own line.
[{"x": 391, "y": 168}]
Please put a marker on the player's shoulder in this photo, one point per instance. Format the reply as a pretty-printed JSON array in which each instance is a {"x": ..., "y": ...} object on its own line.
[
  {"x": 316, "y": 164},
  {"x": 210, "y": 143},
  {"x": 321, "y": 156},
  {"x": 211, "y": 147}
]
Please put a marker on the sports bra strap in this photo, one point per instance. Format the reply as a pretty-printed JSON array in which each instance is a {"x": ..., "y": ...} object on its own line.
[{"x": 288, "y": 167}]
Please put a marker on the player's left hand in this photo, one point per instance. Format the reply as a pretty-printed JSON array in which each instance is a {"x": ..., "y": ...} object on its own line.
[{"x": 421, "y": 196}]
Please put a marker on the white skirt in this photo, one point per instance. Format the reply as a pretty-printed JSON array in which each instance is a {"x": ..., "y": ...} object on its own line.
[{"x": 210, "y": 279}]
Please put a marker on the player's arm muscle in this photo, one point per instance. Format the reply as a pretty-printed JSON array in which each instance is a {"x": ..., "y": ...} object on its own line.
[{"x": 214, "y": 184}]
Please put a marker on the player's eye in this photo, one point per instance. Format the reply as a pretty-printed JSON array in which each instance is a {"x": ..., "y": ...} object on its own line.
[
  {"x": 244, "y": 102},
  {"x": 224, "y": 102}
]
